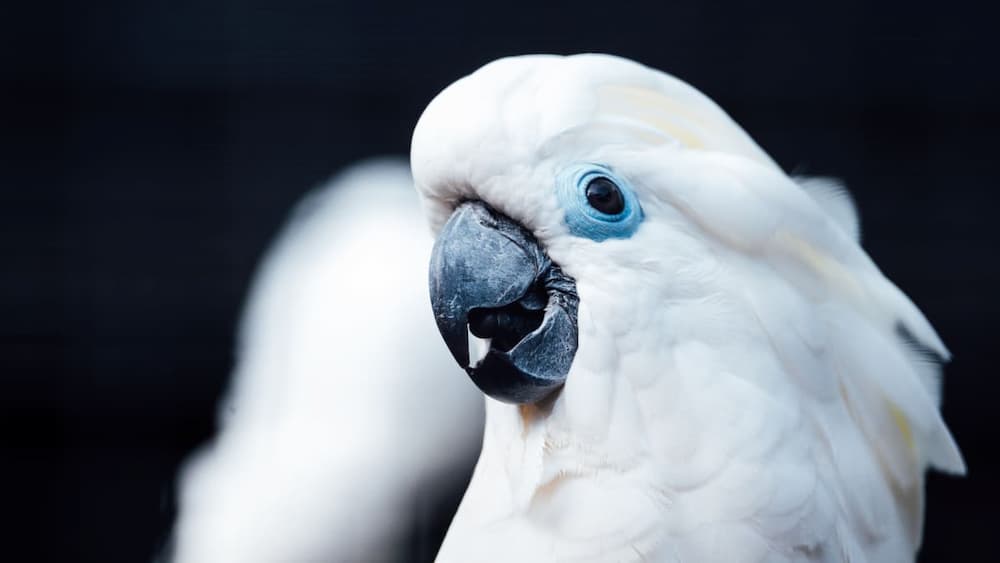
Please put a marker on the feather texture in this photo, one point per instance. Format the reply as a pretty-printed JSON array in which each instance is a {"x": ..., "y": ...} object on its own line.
[
  {"x": 741, "y": 390},
  {"x": 832, "y": 196}
]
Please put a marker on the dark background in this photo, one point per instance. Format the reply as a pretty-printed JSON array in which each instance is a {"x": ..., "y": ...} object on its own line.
[{"x": 150, "y": 150}]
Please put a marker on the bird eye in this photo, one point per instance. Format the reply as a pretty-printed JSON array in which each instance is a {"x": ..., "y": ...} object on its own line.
[
  {"x": 604, "y": 196},
  {"x": 599, "y": 204}
]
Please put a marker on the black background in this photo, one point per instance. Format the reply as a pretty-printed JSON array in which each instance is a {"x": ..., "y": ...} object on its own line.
[{"x": 149, "y": 150}]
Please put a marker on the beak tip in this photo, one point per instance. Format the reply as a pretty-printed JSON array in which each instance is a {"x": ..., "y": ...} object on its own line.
[{"x": 456, "y": 338}]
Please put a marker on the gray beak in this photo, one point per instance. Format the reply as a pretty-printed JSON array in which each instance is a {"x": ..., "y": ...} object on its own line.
[{"x": 489, "y": 276}]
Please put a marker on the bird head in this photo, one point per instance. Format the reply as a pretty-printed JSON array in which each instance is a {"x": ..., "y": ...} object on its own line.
[{"x": 563, "y": 191}]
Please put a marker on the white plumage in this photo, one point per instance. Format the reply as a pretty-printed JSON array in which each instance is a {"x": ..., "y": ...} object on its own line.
[{"x": 742, "y": 389}]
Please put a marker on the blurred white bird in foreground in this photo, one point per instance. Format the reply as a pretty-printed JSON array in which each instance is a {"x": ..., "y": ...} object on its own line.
[
  {"x": 345, "y": 412},
  {"x": 689, "y": 355}
]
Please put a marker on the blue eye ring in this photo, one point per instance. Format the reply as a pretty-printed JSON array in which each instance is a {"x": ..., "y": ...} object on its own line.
[{"x": 586, "y": 221}]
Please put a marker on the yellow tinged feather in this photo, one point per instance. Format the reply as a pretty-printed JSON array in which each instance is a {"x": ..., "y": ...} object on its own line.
[
  {"x": 904, "y": 425},
  {"x": 652, "y": 109},
  {"x": 692, "y": 124},
  {"x": 833, "y": 272},
  {"x": 822, "y": 264}
]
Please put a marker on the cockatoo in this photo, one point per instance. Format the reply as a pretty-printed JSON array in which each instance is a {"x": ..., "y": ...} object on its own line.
[{"x": 686, "y": 352}]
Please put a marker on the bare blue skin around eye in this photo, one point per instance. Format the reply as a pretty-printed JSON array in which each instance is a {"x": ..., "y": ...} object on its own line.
[{"x": 587, "y": 222}]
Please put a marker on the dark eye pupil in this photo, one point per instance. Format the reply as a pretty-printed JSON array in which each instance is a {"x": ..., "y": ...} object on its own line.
[{"x": 604, "y": 196}]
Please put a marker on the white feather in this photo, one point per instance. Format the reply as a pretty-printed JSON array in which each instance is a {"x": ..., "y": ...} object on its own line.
[
  {"x": 834, "y": 198},
  {"x": 741, "y": 390}
]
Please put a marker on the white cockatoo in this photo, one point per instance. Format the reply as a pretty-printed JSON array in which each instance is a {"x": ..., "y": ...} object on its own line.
[
  {"x": 687, "y": 353},
  {"x": 346, "y": 418}
]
